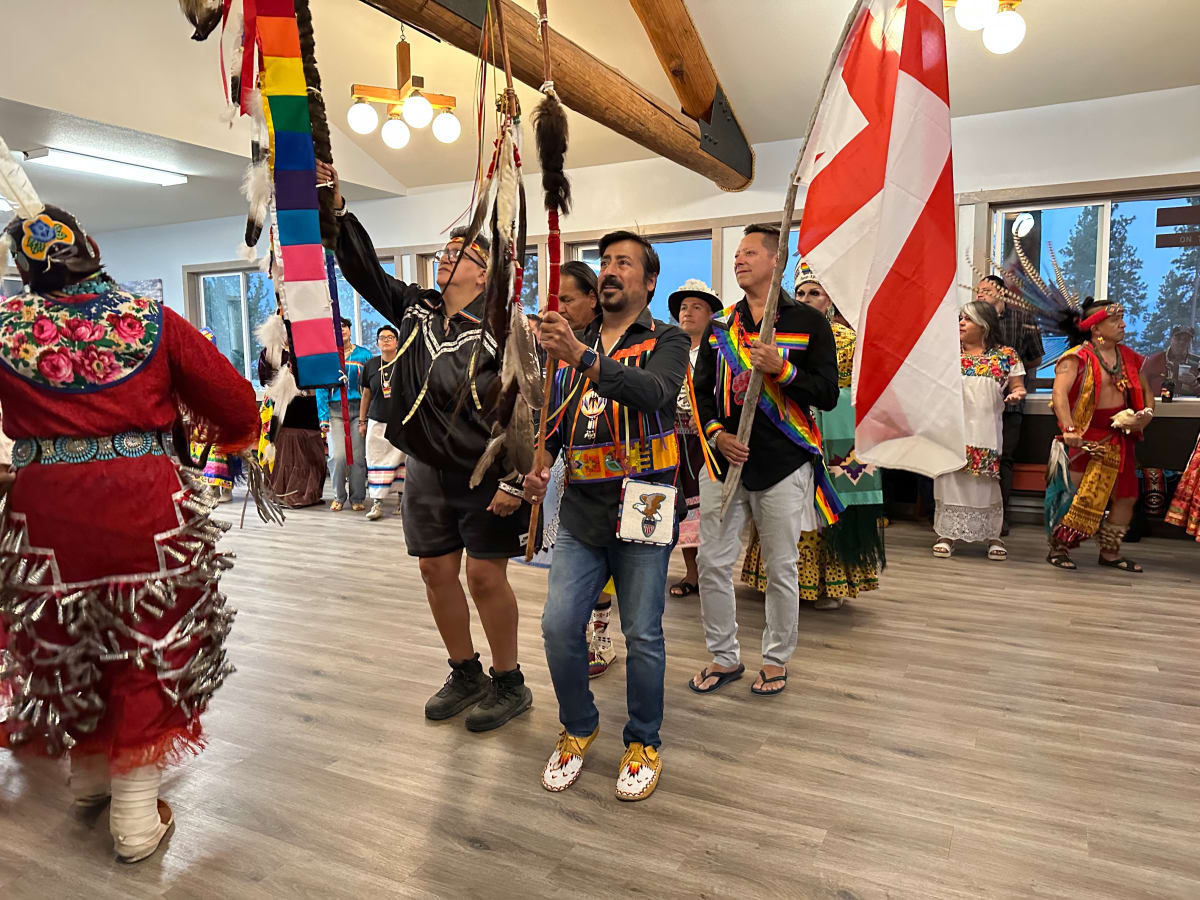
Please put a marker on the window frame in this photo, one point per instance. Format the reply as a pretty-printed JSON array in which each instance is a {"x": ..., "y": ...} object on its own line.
[{"x": 995, "y": 212}]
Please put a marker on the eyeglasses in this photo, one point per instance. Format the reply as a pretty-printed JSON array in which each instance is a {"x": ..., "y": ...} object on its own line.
[
  {"x": 451, "y": 256},
  {"x": 385, "y": 337}
]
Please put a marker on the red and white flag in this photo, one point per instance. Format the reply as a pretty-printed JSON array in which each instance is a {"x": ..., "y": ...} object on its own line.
[{"x": 878, "y": 230}]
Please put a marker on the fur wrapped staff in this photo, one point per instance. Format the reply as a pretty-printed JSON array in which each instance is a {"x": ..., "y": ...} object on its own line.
[{"x": 550, "y": 131}]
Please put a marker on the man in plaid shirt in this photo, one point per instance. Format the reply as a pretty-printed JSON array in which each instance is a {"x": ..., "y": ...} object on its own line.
[{"x": 1018, "y": 329}]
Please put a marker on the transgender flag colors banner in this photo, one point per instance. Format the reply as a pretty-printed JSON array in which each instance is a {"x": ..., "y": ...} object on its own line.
[{"x": 878, "y": 229}]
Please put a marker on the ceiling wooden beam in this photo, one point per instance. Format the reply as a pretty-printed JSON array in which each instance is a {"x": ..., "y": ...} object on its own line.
[{"x": 718, "y": 150}]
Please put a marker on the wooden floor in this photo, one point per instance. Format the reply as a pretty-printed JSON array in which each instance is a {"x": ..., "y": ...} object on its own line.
[{"x": 974, "y": 729}]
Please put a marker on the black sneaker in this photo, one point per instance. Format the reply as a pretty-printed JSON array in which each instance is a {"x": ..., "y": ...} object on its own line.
[
  {"x": 465, "y": 686},
  {"x": 506, "y": 697}
]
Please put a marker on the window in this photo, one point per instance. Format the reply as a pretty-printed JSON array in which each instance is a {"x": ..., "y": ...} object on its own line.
[
  {"x": 1142, "y": 253},
  {"x": 680, "y": 258},
  {"x": 233, "y": 305},
  {"x": 223, "y": 306}
]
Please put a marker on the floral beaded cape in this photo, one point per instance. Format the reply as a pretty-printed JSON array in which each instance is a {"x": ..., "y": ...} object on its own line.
[{"x": 81, "y": 343}]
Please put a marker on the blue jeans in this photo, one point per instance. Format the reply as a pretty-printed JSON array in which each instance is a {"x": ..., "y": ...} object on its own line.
[
  {"x": 341, "y": 470},
  {"x": 577, "y": 573}
]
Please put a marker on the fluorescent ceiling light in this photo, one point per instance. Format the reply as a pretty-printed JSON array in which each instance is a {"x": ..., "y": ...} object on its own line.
[{"x": 96, "y": 165}]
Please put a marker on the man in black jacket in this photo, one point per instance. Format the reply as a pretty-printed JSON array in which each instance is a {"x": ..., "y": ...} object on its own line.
[
  {"x": 617, "y": 388},
  {"x": 439, "y": 331},
  {"x": 778, "y": 488}
]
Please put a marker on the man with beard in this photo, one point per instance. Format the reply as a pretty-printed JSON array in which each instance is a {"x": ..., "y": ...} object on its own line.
[
  {"x": 439, "y": 332},
  {"x": 784, "y": 486},
  {"x": 617, "y": 390}
]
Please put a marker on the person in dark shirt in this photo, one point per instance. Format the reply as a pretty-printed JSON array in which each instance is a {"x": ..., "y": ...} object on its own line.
[
  {"x": 1019, "y": 330},
  {"x": 616, "y": 388},
  {"x": 783, "y": 475},
  {"x": 385, "y": 461},
  {"x": 440, "y": 331}
]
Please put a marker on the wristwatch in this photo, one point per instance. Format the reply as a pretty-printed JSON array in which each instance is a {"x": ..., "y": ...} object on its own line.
[{"x": 587, "y": 360}]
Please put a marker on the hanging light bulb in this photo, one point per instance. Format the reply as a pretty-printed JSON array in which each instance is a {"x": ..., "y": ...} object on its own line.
[
  {"x": 417, "y": 111},
  {"x": 1005, "y": 31},
  {"x": 395, "y": 133},
  {"x": 446, "y": 128},
  {"x": 362, "y": 117},
  {"x": 972, "y": 15}
]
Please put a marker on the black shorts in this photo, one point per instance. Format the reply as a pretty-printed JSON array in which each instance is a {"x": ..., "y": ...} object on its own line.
[{"x": 441, "y": 514}]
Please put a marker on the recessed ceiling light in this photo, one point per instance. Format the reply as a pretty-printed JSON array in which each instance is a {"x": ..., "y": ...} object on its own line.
[{"x": 98, "y": 165}]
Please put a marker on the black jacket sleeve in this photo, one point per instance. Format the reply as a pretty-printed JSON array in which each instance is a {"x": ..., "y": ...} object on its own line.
[
  {"x": 704, "y": 382},
  {"x": 653, "y": 387},
  {"x": 811, "y": 376},
  {"x": 359, "y": 263}
]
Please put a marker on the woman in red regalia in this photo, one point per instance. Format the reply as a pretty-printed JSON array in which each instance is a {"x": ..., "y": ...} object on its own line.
[{"x": 110, "y": 577}]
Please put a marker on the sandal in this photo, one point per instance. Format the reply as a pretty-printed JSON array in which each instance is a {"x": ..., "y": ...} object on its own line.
[
  {"x": 944, "y": 548},
  {"x": 336, "y": 506},
  {"x": 1125, "y": 565},
  {"x": 997, "y": 551},
  {"x": 1061, "y": 560},
  {"x": 684, "y": 589},
  {"x": 766, "y": 681},
  {"x": 723, "y": 678}
]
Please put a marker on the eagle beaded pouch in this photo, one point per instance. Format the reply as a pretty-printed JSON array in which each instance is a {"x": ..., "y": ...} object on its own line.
[{"x": 647, "y": 513}]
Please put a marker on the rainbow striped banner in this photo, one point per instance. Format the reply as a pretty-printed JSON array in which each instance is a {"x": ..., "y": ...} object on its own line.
[
  {"x": 787, "y": 416},
  {"x": 316, "y": 343}
]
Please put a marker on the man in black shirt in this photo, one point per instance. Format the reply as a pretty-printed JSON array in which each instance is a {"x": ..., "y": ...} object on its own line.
[
  {"x": 1019, "y": 330},
  {"x": 439, "y": 332},
  {"x": 617, "y": 388},
  {"x": 385, "y": 461},
  {"x": 782, "y": 466}
]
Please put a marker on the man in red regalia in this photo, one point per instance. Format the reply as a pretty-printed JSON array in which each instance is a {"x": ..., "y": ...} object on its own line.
[{"x": 110, "y": 593}]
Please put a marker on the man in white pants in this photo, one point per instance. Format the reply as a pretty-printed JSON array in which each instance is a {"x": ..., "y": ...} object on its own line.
[{"x": 783, "y": 475}]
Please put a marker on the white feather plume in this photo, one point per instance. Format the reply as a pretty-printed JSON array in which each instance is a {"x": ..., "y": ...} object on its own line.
[
  {"x": 246, "y": 252},
  {"x": 5, "y": 246},
  {"x": 15, "y": 186},
  {"x": 256, "y": 188},
  {"x": 282, "y": 390},
  {"x": 272, "y": 334}
]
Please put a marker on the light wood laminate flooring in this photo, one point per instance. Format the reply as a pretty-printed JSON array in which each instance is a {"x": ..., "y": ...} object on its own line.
[{"x": 973, "y": 729}]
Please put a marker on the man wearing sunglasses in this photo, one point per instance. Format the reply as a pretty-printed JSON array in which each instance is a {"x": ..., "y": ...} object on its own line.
[{"x": 441, "y": 340}]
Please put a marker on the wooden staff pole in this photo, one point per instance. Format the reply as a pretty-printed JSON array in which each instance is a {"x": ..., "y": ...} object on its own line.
[{"x": 733, "y": 477}]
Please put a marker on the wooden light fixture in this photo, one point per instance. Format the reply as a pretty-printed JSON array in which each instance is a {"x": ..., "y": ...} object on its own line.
[{"x": 407, "y": 99}]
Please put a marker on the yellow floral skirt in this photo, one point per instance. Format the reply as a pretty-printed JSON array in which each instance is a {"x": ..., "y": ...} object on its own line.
[{"x": 821, "y": 574}]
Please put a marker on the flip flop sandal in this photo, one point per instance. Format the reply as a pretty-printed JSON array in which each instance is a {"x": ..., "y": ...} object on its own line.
[
  {"x": 943, "y": 549},
  {"x": 1061, "y": 560},
  {"x": 684, "y": 589},
  {"x": 997, "y": 552},
  {"x": 723, "y": 678},
  {"x": 1125, "y": 565},
  {"x": 766, "y": 681}
]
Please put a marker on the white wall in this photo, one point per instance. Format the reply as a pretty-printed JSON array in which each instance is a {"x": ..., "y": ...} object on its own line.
[{"x": 1116, "y": 137}]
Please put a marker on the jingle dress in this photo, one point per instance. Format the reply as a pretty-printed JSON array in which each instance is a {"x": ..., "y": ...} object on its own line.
[
  {"x": 968, "y": 502},
  {"x": 110, "y": 575}
]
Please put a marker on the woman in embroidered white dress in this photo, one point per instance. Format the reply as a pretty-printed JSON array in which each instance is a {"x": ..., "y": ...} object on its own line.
[{"x": 968, "y": 503}]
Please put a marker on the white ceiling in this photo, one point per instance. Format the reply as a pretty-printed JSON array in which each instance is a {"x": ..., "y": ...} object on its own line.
[{"x": 161, "y": 97}]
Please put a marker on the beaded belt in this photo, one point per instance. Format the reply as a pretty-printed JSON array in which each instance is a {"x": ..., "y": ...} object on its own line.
[{"x": 127, "y": 445}]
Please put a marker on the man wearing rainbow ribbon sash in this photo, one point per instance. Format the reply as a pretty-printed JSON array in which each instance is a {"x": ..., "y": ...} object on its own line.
[{"x": 785, "y": 487}]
